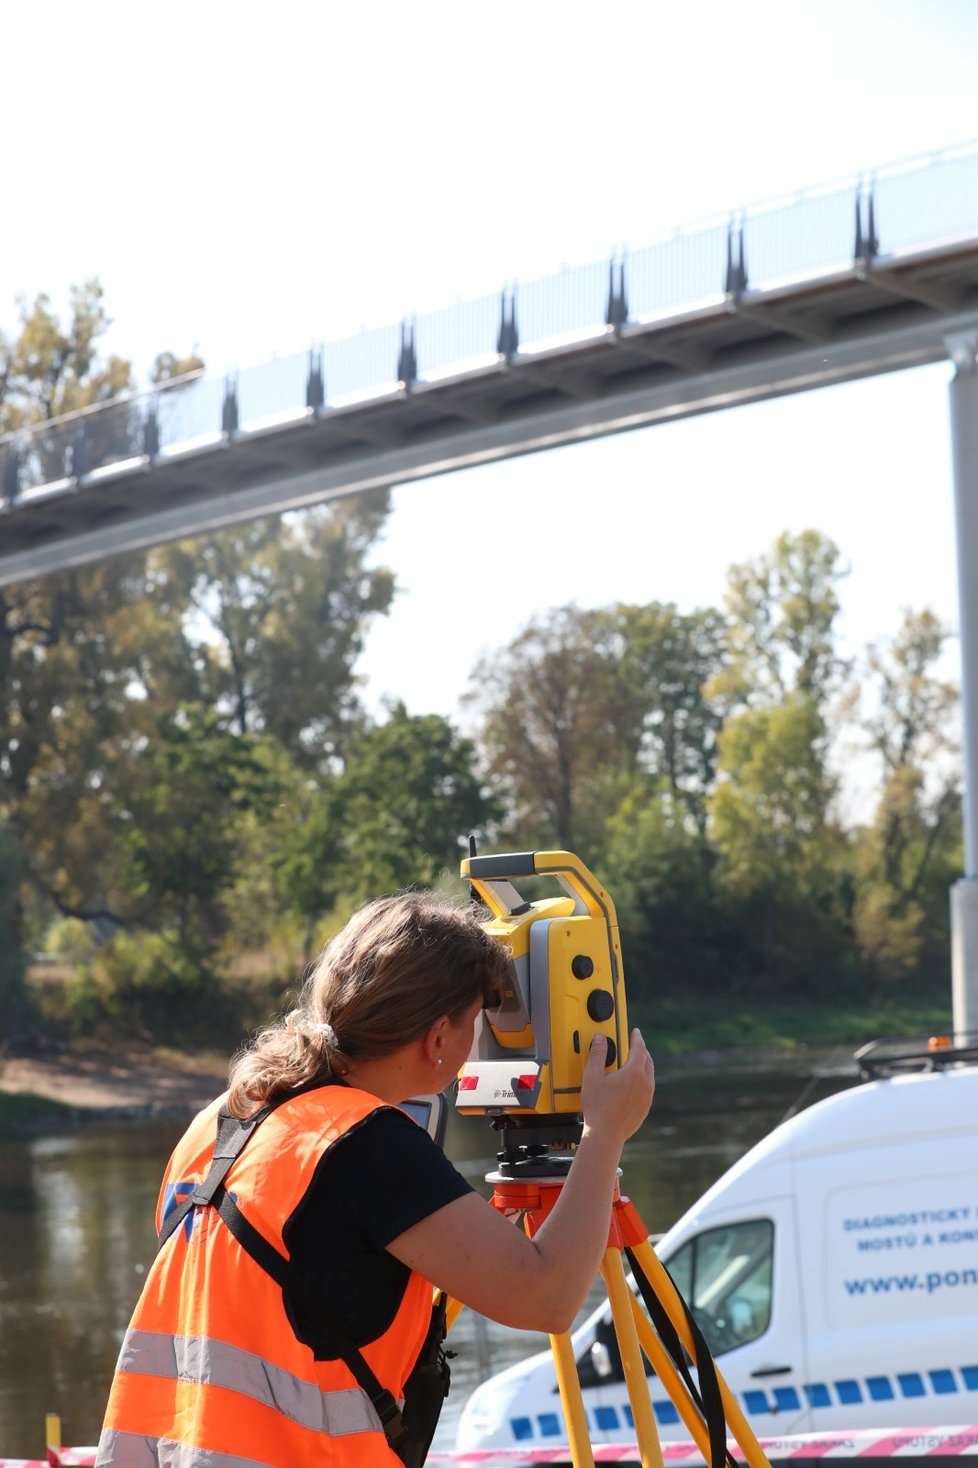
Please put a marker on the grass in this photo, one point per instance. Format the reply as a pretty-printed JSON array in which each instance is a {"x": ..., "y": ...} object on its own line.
[
  {"x": 22, "y": 1109},
  {"x": 673, "y": 1024},
  {"x": 671, "y": 1027}
]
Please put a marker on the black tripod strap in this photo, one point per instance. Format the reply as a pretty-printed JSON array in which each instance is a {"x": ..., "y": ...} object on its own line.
[{"x": 707, "y": 1398}]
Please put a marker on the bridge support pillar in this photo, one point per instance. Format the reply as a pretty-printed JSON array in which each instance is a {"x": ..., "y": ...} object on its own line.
[{"x": 963, "y": 350}]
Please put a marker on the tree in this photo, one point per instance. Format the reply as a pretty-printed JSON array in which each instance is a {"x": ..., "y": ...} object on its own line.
[
  {"x": 550, "y": 717},
  {"x": 113, "y": 773},
  {"x": 659, "y": 868},
  {"x": 771, "y": 820},
  {"x": 178, "y": 835},
  {"x": 782, "y": 610},
  {"x": 281, "y": 609},
  {"x": 666, "y": 662},
  {"x": 780, "y": 852},
  {"x": 50, "y": 368},
  {"x": 910, "y": 852},
  {"x": 397, "y": 816},
  {"x": 15, "y": 1006}
]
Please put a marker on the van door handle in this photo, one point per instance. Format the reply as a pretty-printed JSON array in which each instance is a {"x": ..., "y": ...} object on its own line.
[{"x": 773, "y": 1371}]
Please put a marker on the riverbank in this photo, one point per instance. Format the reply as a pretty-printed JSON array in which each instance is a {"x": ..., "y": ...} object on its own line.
[
  {"x": 106, "y": 1083},
  {"x": 81, "y": 1082}
]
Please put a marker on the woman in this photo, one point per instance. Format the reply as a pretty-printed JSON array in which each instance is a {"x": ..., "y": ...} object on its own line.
[{"x": 222, "y": 1367}]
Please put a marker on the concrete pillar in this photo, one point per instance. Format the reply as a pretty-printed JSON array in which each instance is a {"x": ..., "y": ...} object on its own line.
[{"x": 963, "y": 350}]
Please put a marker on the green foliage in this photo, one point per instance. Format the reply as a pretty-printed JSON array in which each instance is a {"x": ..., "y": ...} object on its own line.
[
  {"x": 659, "y": 870},
  {"x": 910, "y": 853},
  {"x": 50, "y": 368},
  {"x": 582, "y": 699},
  {"x": 770, "y": 811},
  {"x": 782, "y": 611},
  {"x": 178, "y": 841},
  {"x": 409, "y": 797},
  {"x": 280, "y": 609},
  {"x": 145, "y": 985}
]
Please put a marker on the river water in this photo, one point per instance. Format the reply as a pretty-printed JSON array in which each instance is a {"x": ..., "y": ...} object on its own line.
[{"x": 76, "y": 1232}]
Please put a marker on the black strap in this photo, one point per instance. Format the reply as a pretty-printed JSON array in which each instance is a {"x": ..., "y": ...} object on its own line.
[
  {"x": 314, "y": 1304},
  {"x": 708, "y": 1398},
  {"x": 232, "y": 1135}
]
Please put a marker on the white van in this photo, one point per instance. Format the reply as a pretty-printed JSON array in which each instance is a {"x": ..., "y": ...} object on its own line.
[{"x": 833, "y": 1271}]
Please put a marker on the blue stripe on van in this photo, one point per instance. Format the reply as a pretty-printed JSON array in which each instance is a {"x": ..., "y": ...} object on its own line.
[{"x": 850, "y": 1392}]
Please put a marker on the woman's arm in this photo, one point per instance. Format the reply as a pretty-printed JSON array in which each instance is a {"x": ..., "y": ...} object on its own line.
[{"x": 471, "y": 1251}]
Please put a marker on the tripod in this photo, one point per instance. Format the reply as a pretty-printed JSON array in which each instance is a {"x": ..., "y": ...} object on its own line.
[{"x": 529, "y": 1186}]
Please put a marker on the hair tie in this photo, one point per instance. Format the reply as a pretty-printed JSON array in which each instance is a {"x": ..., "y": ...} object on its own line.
[{"x": 327, "y": 1032}]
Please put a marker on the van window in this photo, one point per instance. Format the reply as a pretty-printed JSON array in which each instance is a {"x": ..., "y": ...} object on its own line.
[{"x": 724, "y": 1275}]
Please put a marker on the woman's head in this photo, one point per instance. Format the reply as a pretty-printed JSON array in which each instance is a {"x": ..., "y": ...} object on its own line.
[{"x": 397, "y": 966}]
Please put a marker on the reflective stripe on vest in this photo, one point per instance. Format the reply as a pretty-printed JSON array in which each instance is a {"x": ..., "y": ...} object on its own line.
[
  {"x": 196, "y": 1359},
  {"x": 129, "y": 1450}
]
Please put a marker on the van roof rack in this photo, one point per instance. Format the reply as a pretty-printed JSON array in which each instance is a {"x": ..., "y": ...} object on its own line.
[{"x": 893, "y": 1057}]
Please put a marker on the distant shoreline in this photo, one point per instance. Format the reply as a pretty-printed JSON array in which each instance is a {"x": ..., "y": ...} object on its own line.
[
  {"x": 79, "y": 1088},
  {"x": 102, "y": 1086}
]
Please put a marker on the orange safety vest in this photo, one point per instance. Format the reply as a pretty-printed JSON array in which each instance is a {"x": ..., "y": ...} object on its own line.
[{"x": 211, "y": 1374}]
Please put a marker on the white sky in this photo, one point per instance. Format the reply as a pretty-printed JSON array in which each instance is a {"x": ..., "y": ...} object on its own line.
[{"x": 249, "y": 178}]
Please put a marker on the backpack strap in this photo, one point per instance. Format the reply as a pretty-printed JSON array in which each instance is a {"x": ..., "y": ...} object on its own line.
[{"x": 232, "y": 1134}]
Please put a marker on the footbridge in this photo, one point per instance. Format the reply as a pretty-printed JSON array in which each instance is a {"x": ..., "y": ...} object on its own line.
[
  {"x": 867, "y": 276},
  {"x": 870, "y": 275}
]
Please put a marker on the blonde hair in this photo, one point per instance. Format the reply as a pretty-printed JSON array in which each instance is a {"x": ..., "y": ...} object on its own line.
[{"x": 399, "y": 964}]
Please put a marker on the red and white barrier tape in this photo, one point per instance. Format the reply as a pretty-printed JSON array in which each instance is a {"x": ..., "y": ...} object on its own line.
[
  {"x": 65, "y": 1458},
  {"x": 907, "y": 1442}
]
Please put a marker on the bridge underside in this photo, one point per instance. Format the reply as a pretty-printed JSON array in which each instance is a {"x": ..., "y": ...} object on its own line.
[{"x": 734, "y": 349}]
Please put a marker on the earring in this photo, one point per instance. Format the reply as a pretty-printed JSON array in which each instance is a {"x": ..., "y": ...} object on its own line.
[{"x": 439, "y": 1060}]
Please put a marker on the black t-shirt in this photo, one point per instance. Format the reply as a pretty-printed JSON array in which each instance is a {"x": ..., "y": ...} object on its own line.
[{"x": 378, "y": 1179}]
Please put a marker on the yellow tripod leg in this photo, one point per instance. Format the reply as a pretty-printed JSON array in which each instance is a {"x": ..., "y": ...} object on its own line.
[
  {"x": 636, "y": 1383},
  {"x": 453, "y": 1310},
  {"x": 569, "y": 1386},
  {"x": 676, "y": 1389},
  {"x": 668, "y": 1297}
]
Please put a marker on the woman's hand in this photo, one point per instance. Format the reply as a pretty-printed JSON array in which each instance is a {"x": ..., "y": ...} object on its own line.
[
  {"x": 616, "y": 1102},
  {"x": 468, "y": 1249}
]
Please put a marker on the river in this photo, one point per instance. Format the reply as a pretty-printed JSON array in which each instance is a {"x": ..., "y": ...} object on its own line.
[{"x": 76, "y": 1232}]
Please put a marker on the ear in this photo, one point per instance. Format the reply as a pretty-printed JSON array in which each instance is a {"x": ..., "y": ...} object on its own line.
[{"x": 434, "y": 1040}]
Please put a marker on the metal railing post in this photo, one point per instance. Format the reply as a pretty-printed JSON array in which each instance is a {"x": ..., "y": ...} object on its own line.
[
  {"x": 407, "y": 357},
  {"x": 11, "y": 474},
  {"x": 151, "y": 429},
  {"x": 507, "y": 337},
  {"x": 229, "y": 408},
  {"x": 616, "y": 314},
  {"x": 315, "y": 381}
]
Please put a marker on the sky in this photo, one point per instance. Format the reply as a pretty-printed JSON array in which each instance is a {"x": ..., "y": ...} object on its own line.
[{"x": 247, "y": 179}]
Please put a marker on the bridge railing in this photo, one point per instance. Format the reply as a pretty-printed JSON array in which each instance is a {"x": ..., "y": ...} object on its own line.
[{"x": 844, "y": 227}]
